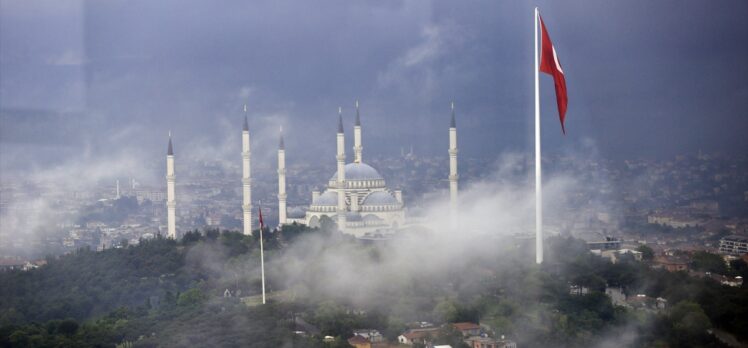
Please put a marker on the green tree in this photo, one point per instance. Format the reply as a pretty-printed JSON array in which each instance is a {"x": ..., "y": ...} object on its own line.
[
  {"x": 191, "y": 297},
  {"x": 446, "y": 310},
  {"x": 689, "y": 323},
  {"x": 647, "y": 252},
  {"x": 708, "y": 262}
]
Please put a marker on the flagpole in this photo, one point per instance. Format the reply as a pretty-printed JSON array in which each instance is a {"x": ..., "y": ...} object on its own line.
[
  {"x": 262, "y": 258},
  {"x": 538, "y": 189}
]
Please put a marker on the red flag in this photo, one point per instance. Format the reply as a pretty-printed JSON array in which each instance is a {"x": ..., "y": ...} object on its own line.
[
  {"x": 549, "y": 64},
  {"x": 261, "y": 223}
]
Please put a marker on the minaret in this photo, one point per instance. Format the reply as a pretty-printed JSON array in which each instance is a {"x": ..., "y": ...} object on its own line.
[
  {"x": 341, "y": 172},
  {"x": 453, "y": 176},
  {"x": 246, "y": 177},
  {"x": 171, "y": 203},
  {"x": 357, "y": 147},
  {"x": 281, "y": 181}
]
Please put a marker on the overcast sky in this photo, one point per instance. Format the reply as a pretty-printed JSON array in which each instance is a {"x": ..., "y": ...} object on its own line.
[{"x": 91, "y": 78}]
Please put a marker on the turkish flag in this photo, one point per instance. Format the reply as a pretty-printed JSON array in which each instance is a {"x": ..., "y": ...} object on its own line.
[
  {"x": 549, "y": 64},
  {"x": 262, "y": 225}
]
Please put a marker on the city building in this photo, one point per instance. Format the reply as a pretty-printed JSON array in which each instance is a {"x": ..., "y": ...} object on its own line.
[{"x": 734, "y": 245}]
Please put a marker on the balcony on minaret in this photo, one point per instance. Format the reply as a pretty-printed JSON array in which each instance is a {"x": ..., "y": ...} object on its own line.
[
  {"x": 453, "y": 152},
  {"x": 454, "y": 177},
  {"x": 281, "y": 171},
  {"x": 247, "y": 181}
]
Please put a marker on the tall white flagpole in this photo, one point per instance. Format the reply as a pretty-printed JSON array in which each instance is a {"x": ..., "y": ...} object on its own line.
[
  {"x": 262, "y": 260},
  {"x": 538, "y": 189}
]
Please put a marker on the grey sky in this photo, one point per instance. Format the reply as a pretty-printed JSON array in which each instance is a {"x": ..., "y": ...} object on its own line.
[{"x": 87, "y": 78}]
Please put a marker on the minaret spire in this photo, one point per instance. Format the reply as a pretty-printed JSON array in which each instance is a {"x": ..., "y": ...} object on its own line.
[
  {"x": 453, "y": 176},
  {"x": 246, "y": 124},
  {"x": 246, "y": 177},
  {"x": 171, "y": 204},
  {"x": 170, "y": 149},
  {"x": 452, "y": 123},
  {"x": 281, "y": 181},
  {"x": 357, "y": 147},
  {"x": 340, "y": 119},
  {"x": 281, "y": 144},
  {"x": 341, "y": 173}
]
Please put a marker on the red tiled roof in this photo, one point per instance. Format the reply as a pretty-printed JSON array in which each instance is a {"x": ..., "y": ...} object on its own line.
[
  {"x": 466, "y": 326},
  {"x": 418, "y": 333}
]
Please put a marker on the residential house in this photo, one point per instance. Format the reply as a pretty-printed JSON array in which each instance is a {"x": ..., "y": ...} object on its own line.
[
  {"x": 468, "y": 329},
  {"x": 489, "y": 342}
]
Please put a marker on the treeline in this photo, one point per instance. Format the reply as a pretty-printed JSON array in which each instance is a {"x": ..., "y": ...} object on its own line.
[{"x": 171, "y": 293}]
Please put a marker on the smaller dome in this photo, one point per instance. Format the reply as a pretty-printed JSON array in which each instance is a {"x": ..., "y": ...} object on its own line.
[
  {"x": 371, "y": 218},
  {"x": 380, "y": 198},
  {"x": 328, "y": 198},
  {"x": 296, "y": 212}
]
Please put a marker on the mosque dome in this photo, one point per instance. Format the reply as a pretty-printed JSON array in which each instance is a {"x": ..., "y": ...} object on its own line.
[{"x": 359, "y": 171}]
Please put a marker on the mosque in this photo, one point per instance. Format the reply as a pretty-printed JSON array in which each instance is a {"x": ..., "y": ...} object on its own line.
[{"x": 356, "y": 195}]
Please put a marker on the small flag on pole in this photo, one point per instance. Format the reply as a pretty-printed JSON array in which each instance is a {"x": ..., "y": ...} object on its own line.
[
  {"x": 260, "y": 211},
  {"x": 549, "y": 64},
  {"x": 262, "y": 253}
]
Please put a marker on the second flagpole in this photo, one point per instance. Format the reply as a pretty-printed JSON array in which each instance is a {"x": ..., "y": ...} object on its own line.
[
  {"x": 262, "y": 256},
  {"x": 538, "y": 189}
]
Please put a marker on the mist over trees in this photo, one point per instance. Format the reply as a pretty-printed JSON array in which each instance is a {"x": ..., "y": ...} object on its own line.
[{"x": 168, "y": 293}]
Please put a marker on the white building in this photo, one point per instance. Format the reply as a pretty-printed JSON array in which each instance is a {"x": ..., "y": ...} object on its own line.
[
  {"x": 734, "y": 244},
  {"x": 367, "y": 205}
]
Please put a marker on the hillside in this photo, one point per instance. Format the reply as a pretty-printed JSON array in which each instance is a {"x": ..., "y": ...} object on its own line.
[{"x": 168, "y": 293}]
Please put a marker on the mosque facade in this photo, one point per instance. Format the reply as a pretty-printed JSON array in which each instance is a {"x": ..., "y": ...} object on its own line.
[{"x": 356, "y": 196}]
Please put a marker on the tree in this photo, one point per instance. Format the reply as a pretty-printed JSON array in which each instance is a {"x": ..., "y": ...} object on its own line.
[
  {"x": 327, "y": 224},
  {"x": 67, "y": 327},
  {"x": 689, "y": 323},
  {"x": 446, "y": 310},
  {"x": 708, "y": 262},
  {"x": 647, "y": 252},
  {"x": 191, "y": 297}
]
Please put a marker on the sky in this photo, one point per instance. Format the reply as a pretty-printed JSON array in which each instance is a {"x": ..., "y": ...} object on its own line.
[{"x": 83, "y": 81}]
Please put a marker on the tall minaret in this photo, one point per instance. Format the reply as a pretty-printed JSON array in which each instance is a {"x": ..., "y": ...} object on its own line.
[
  {"x": 281, "y": 180},
  {"x": 453, "y": 176},
  {"x": 357, "y": 147},
  {"x": 171, "y": 203},
  {"x": 341, "y": 172},
  {"x": 246, "y": 177}
]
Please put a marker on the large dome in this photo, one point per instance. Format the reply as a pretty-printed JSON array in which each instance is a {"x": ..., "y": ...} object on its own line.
[{"x": 359, "y": 171}]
